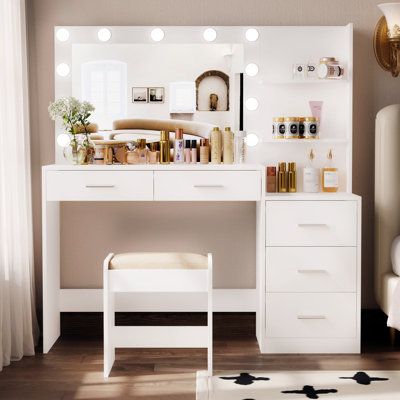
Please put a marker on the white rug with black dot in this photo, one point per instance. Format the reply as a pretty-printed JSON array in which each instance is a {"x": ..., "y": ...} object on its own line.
[{"x": 324, "y": 385}]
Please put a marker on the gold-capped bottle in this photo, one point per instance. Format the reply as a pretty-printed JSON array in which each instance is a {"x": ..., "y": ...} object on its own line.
[
  {"x": 282, "y": 178},
  {"x": 165, "y": 152},
  {"x": 216, "y": 142},
  {"x": 292, "y": 178},
  {"x": 330, "y": 175}
]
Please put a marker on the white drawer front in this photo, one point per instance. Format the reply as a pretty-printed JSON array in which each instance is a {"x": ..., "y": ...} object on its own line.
[
  {"x": 311, "y": 223},
  {"x": 311, "y": 269},
  {"x": 207, "y": 185},
  {"x": 99, "y": 185},
  {"x": 323, "y": 315}
]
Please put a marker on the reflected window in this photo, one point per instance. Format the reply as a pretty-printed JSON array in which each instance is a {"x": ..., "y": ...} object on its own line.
[{"x": 104, "y": 84}]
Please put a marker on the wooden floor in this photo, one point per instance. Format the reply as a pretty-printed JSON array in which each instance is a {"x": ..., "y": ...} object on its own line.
[{"x": 73, "y": 368}]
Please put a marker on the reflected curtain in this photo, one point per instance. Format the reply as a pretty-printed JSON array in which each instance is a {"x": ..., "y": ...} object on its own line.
[{"x": 17, "y": 317}]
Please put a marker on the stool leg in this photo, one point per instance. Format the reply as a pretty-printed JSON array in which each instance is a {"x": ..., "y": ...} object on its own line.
[{"x": 108, "y": 322}]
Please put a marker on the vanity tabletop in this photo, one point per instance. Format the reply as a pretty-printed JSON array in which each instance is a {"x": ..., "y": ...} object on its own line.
[{"x": 156, "y": 167}]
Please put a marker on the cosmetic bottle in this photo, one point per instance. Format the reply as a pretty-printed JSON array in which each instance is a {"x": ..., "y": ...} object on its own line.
[
  {"x": 271, "y": 179},
  {"x": 292, "y": 178},
  {"x": 142, "y": 152},
  {"x": 330, "y": 175},
  {"x": 193, "y": 152},
  {"x": 204, "y": 151},
  {"x": 187, "y": 151},
  {"x": 164, "y": 148},
  {"x": 215, "y": 138},
  {"x": 178, "y": 147},
  {"x": 153, "y": 153},
  {"x": 240, "y": 147},
  {"x": 227, "y": 152},
  {"x": 311, "y": 175},
  {"x": 282, "y": 178}
]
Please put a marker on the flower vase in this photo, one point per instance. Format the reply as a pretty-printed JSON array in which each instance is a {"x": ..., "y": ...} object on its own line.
[{"x": 76, "y": 152}]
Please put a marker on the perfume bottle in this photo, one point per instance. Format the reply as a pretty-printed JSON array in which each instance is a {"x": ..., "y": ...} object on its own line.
[
  {"x": 154, "y": 154},
  {"x": 165, "y": 153},
  {"x": 330, "y": 175},
  {"x": 292, "y": 178},
  {"x": 178, "y": 147},
  {"x": 228, "y": 147},
  {"x": 240, "y": 147},
  {"x": 142, "y": 152},
  {"x": 282, "y": 178},
  {"x": 311, "y": 175}
]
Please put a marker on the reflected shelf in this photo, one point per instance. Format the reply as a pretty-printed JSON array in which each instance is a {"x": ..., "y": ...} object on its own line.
[{"x": 307, "y": 141}]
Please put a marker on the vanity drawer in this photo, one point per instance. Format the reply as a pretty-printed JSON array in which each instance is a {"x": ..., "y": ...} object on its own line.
[
  {"x": 311, "y": 223},
  {"x": 322, "y": 315},
  {"x": 311, "y": 269},
  {"x": 99, "y": 185},
  {"x": 207, "y": 185}
]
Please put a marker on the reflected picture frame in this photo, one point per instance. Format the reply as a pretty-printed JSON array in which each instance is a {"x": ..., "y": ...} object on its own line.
[
  {"x": 156, "y": 94},
  {"x": 140, "y": 94}
]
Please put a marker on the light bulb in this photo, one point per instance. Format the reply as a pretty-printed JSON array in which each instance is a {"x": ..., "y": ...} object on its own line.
[
  {"x": 251, "y": 69},
  {"x": 63, "y": 69},
  {"x": 210, "y": 34},
  {"x": 62, "y": 35},
  {"x": 63, "y": 140},
  {"x": 251, "y": 139},
  {"x": 252, "y": 34},
  {"x": 252, "y": 104},
  {"x": 104, "y": 35},
  {"x": 157, "y": 34}
]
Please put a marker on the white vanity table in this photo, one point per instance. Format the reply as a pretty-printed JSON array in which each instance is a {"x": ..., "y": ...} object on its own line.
[
  {"x": 307, "y": 298},
  {"x": 308, "y": 249}
]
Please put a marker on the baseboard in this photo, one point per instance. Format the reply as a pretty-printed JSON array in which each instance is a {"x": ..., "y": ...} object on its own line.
[{"x": 225, "y": 300}]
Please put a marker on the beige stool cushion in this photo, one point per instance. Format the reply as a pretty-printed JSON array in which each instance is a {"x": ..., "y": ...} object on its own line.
[{"x": 158, "y": 261}]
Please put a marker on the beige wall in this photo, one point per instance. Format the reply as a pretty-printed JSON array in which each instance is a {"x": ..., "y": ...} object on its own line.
[{"x": 373, "y": 89}]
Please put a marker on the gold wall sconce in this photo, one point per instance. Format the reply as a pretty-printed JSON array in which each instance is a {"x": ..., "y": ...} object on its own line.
[{"x": 387, "y": 38}]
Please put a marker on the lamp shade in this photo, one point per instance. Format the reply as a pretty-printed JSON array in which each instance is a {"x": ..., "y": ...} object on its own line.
[{"x": 391, "y": 11}]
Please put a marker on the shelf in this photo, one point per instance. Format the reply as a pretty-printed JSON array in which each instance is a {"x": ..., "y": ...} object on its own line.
[
  {"x": 307, "y": 141},
  {"x": 307, "y": 82}
]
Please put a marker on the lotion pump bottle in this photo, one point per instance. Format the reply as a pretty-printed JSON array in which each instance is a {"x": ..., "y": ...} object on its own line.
[
  {"x": 330, "y": 176},
  {"x": 311, "y": 175}
]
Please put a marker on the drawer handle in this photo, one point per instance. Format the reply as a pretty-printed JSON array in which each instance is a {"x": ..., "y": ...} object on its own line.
[
  {"x": 311, "y": 271},
  {"x": 311, "y": 317},
  {"x": 311, "y": 225},
  {"x": 208, "y": 186},
  {"x": 99, "y": 186}
]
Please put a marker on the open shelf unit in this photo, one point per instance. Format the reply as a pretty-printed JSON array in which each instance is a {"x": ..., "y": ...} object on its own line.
[{"x": 279, "y": 95}]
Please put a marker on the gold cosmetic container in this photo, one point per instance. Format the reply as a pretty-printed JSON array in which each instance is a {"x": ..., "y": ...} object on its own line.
[
  {"x": 282, "y": 178},
  {"x": 165, "y": 153},
  {"x": 292, "y": 179}
]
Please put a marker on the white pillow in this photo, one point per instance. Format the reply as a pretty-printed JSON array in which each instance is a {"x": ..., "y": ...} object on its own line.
[{"x": 395, "y": 255}]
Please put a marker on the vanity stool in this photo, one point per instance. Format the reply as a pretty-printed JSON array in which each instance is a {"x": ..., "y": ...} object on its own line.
[{"x": 158, "y": 273}]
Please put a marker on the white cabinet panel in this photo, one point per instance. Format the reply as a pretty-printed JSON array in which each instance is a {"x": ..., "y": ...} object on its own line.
[
  {"x": 207, "y": 185},
  {"x": 311, "y": 223},
  {"x": 306, "y": 315},
  {"x": 311, "y": 269},
  {"x": 99, "y": 185}
]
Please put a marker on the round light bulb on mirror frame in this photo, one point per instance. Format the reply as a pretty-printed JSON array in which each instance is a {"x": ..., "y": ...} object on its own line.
[
  {"x": 63, "y": 140},
  {"x": 252, "y": 139},
  {"x": 251, "y": 104},
  {"x": 252, "y": 34},
  {"x": 157, "y": 34},
  {"x": 251, "y": 69},
  {"x": 63, "y": 70},
  {"x": 104, "y": 34},
  {"x": 209, "y": 34},
  {"x": 62, "y": 34}
]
